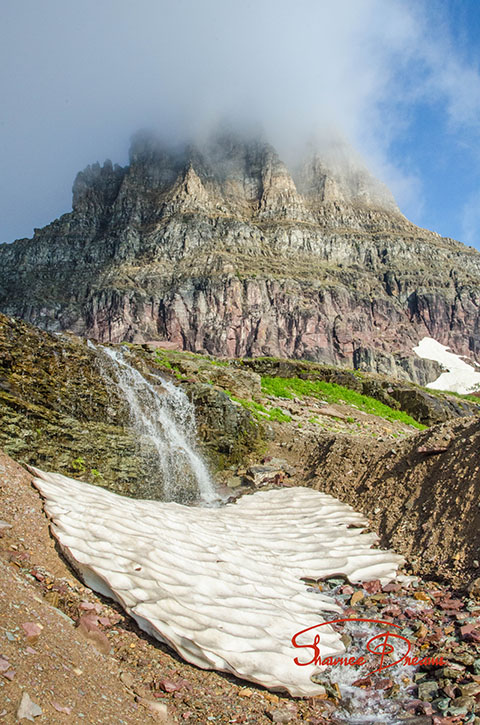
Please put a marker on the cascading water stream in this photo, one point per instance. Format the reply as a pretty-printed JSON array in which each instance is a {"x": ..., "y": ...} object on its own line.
[{"x": 165, "y": 423}]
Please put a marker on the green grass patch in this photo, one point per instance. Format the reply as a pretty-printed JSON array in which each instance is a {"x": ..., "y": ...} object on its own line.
[
  {"x": 333, "y": 393},
  {"x": 447, "y": 393},
  {"x": 277, "y": 414},
  {"x": 251, "y": 405},
  {"x": 163, "y": 360},
  {"x": 259, "y": 411}
]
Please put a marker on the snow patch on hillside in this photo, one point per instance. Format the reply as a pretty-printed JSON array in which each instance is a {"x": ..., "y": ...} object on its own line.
[{"x": 460, "y": 376}]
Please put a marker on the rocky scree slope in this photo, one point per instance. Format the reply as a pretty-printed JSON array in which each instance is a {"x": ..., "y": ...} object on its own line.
[{"x": 220, "y": 248}]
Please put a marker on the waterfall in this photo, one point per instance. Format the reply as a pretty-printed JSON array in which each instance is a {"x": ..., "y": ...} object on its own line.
[{"x": 164, "y": 423}]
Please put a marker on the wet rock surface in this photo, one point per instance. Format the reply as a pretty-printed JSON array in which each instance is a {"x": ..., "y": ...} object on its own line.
[
  {"x": 58, "y": 410},
  {"x": 442, "y": 631},
  {"x": 227, "y": 428}
]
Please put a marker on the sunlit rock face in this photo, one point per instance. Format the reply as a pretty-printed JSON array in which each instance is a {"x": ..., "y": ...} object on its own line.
[
  {"x": 222, "y": 586},
  {"x": 220, "y": 247}
]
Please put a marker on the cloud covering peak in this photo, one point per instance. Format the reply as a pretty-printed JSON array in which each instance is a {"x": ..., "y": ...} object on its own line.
[{"x": 87, "y": 76}]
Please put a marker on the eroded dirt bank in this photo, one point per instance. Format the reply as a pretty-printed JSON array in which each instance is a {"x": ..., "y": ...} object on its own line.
[{"x": 422, "y": 493}]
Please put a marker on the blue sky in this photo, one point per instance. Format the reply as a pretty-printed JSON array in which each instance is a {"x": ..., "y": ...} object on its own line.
[
  {"x": 440, "y": 144},
  {"x": 399, "y": 79}
]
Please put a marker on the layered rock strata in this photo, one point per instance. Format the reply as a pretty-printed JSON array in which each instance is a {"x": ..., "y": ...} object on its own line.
[{"x": 222, "y": 248}]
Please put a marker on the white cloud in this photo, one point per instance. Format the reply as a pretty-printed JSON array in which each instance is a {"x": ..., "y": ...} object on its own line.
[{"x": 88, "y": 75}]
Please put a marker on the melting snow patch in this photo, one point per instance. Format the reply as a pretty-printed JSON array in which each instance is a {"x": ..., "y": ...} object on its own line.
[
  {"x": 221, "y": 586},
  {"x": 460, "y": 378}
]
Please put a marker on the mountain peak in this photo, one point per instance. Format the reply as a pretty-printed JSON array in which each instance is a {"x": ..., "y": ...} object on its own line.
[
  {"x": 247, "y": 171},
  {"x": 220, "y": 246}
]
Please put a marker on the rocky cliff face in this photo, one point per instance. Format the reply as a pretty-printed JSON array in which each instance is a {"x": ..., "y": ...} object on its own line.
[
  {"x": 59, "y": 411},
  {"x": 221, "y": 248}
]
